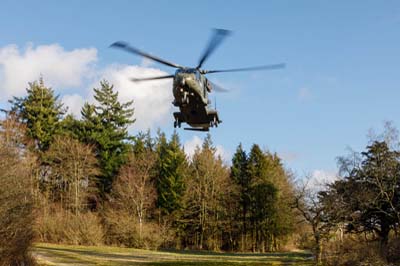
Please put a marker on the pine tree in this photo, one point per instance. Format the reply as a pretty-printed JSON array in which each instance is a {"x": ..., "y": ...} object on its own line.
[
  {"x": 104, "y": 124},
  {"x": 263, "y": 199},
  {"x": 240, "y": 177},
  {"x": 171, "y": 173},
  {"x": 41, "y": 111}
]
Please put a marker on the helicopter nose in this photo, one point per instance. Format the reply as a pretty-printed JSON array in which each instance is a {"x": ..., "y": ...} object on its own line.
[{"x": 181, "y": 80}]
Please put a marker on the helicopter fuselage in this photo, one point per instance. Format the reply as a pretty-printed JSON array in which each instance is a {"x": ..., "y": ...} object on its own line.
[
  {"x": 190, "y": 86},
  {"x": 190, "y": 90}
]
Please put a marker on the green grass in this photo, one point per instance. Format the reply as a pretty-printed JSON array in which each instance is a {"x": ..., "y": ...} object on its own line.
[{"x": 52, "y": 254}]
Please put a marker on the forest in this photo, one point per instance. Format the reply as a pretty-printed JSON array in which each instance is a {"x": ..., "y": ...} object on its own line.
[{"x": 88, "y": 181}]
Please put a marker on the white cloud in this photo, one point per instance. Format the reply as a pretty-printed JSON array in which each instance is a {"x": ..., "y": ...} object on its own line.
[
  {"x": 60, "y": 68},
  {"x": 191, "y": 145},
  {"x": 74, "y": 102},
  {"x": 320, "y": 178},
  {"x": 225, "y": 155},
  {"x": 304, "y": 95},
  {"x": 75, "y": 69},
  {"x": 289, "y": 156},
  {"x": 152, "y": 99}
]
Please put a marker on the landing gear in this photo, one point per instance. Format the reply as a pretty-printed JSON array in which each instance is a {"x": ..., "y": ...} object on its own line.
[
  {"x": 214, "y": 122},
  {"x": 178, "y": 119},
  {"x": 177, "y": 123}
]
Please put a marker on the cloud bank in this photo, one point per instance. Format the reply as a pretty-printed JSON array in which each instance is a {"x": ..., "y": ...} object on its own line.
[
  {"x": 61, "y": 69},
  {"x": 66, "y": 70},
  {"x": 152, "y": 99}
]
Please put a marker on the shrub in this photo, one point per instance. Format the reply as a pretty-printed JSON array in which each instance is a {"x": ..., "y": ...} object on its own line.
[
  {"x": 352, "y": 252},
  {"x": 62, "y": 226},
  {"x": 394, "y": 250},
  {"x": 122, "y": 229}
]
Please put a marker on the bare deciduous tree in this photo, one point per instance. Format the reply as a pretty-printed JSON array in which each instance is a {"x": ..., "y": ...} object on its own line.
[
  {"x": 311, "y": 209},
  {"x": 16, "y": 210},
  {"x": 75, "y": 166},
  {"x": 134, "y": 189}
]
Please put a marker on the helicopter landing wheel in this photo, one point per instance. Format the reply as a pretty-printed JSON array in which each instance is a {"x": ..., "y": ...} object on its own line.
[
  {"x": 177, "y": 123},
  {"x": 214, "y": 122}
]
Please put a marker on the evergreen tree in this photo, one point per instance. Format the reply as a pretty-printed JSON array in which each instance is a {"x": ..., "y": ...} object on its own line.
[
  {"x": 171, "y": 173},
  {"x": 104, "y": 124},
  {"x": 240, "y": 177},
  {"x": 367, "y": 199},
  {"x": 257, "y": 165},
  {"x": 265, "y": 193},
  {"x": 41, "y": 111},
  {"x": 271, "y": 193}
]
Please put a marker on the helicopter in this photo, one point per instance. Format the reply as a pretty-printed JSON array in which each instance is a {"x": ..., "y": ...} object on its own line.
[{"x": 191, "y": 88}]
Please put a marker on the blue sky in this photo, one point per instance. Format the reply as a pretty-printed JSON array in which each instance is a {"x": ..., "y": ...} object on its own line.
[{"x": 342, "y": 75}]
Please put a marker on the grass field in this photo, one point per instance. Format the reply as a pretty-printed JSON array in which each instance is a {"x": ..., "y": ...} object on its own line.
[{"x": 64, "y": 255}]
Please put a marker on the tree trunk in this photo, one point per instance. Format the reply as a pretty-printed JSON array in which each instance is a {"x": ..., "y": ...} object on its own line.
[
  {"x": 244, "y": 228},
  {"x": 383, "y": 241},
  {"x": 318, "y": 250}
]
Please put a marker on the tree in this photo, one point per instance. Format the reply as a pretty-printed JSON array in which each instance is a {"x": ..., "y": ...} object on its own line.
[
  {"x": 313, "y": 211},
  {"x": 134, "y": 190},
  {"x": 16, "y": 204},
  {"x": 367, "y": 199},
  {"x": 262, "y": 209},
  {"x": 41, "y": 111},
  {"x": 264, "y": 192},
  {"x": 207, "y": 186},
  {"x": 282, "y": 222},
  {"x": 74, "y": 169},
  {"x": 104, "y": 125},
  {"x": 240, "y": 176},
  {"x": 171, "y": 171}
]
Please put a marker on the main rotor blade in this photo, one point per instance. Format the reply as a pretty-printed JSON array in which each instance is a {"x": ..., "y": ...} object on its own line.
[
  {"x": 125, "y": 46},
  {"x": 151, "y": 78},
  {"x": 266, "y": 67},
  {"x": 216, "y": 39}
]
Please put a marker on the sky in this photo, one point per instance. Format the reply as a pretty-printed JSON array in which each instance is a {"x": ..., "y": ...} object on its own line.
[{"x": 341, "y": 77}]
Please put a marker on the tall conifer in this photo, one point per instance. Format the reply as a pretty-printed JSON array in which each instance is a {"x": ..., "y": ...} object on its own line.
[
  {"x": 105, "y": 124},
  {"x": 41, "y": 111}
]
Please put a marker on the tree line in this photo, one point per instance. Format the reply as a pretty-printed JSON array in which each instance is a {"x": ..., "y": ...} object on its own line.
[
  {"x": 355, "y": 219},
  {"x": 93, "y": 182},
  {"x": 89, "y": 181}
]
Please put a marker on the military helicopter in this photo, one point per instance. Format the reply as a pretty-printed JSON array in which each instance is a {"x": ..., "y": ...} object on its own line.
[{"x": 191, "y": 88}]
